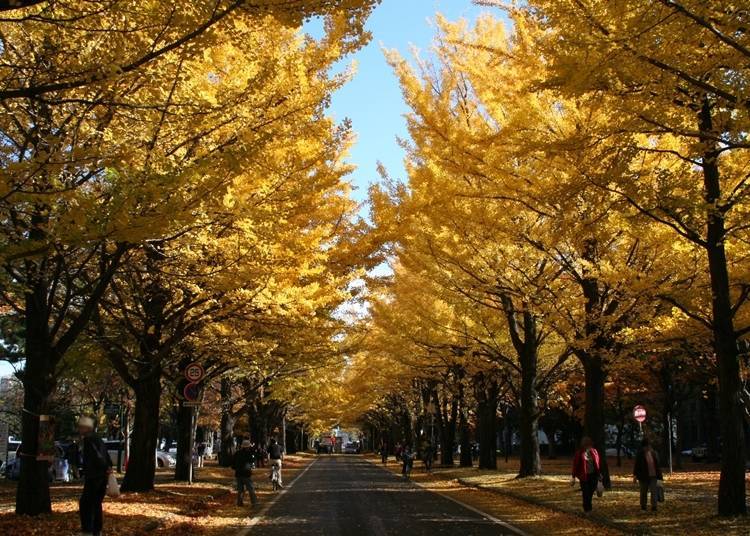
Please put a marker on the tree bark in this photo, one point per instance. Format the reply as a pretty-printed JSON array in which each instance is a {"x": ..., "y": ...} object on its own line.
[
  {"x": 139, "y": 475},
  {"x": 594, "y": 422},
  {"x": 487, "y": 394},
  {"x": 448, "y": 419},
  {"x": 184, "y": 457},
  {"x": 226, "y": 428},
  {"x": 530, "y": 463},
  {"x": 464, "y": 437},
  {"x": 32, "y": 495},
  {"x": 732, "y": 493}
]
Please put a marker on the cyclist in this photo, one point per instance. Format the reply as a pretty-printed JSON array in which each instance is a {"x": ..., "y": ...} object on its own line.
[{"x": 276, "y": 454}]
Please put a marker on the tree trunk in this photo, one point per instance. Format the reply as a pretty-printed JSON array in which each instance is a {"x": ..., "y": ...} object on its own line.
[
  {"x": 528, "y": 426},
  {"x": 226, "y": 428},
  {"x": 487, "y": 399},
  {"x": 184, "y": 457},
  {"x": 448, "y": 433},
  {"x": 732, "y": 500},
  {"x": 594, "y": 423},
  {"x": 32, "y": 495},
  {"x": 464, "y": 438},
  {"x": 139, "y": 475}
]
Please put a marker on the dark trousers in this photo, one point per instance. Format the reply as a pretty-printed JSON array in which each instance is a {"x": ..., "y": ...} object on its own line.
[
  {"x": 90, "y": 504},
  {"x": 406, "y": 469},
  {"x": 245, "y": 484},
  {"x": 588, "y": 488},
  {"x": 646, "y": 487}
]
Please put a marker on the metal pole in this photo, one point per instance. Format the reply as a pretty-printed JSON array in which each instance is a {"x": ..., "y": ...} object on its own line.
[
  {"x": 191, "y": 446},
  {"x": 669, "y": 423}
]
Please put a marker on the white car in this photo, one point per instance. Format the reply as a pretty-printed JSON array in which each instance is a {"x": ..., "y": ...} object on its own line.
[{"x": 163, "y": 459}]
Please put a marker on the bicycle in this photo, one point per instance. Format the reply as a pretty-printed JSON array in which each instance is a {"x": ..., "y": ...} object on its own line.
[{"x": 275, "y": 477}]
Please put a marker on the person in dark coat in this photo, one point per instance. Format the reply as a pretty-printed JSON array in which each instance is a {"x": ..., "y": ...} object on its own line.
[
  {"x": 244, "y": 461},
  {"x": 647, "y": 473},
  {"x": 96, "y": 467}
]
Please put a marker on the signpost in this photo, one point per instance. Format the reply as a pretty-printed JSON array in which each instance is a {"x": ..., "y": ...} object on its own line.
[
  {"x": 639, "y": 414},
  {"x": 194, "y": 373},
  {"x": 191, "y": 392}
]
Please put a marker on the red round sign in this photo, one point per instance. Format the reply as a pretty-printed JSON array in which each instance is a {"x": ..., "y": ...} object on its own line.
[
  {"x": 639, "y": 414},
  {"x": 194, "y": 372},
  {"x": 191, "y": 392}
]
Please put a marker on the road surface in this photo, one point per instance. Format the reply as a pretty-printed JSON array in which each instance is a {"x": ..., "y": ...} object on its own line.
[{"x": 345, "y": 495}]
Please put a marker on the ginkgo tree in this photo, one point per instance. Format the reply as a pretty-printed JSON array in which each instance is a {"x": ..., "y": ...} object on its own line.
[
  {"x": 673, "y": 76},
  {"x": 120, "y": 122}
]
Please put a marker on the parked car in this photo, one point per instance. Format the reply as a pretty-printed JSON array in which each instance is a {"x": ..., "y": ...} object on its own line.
[
  {"x": 13, "y": 446},
  {"x": 624, "y": 451},
  {"x": 699, "y": 453},
  {"x": 58, "y": 469},
  {"x": 163, "y": 459},
  {"x": 351, "y": 448}
]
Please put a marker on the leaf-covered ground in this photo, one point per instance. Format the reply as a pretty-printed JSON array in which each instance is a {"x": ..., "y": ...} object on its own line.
[
  {"x": 207, "y": 508},
  {"x": 549, "y": 505}
]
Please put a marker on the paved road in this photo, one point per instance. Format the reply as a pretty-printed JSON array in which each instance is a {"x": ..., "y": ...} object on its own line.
[{"x": 345, "y": 495}]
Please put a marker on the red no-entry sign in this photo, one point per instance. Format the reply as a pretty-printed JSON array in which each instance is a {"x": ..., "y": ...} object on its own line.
[{"x": 639, "y": 414}]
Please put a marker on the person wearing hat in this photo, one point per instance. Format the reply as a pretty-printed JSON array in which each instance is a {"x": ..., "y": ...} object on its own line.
[
  {"x": 243, "y": 472},
  {"x": 96, "y": 467}
]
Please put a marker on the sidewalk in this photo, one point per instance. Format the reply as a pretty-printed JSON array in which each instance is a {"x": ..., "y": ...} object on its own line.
[
  {"x": 207, "y": 508},
  {"x": 553, "y": 506},
  {"x": 528, "y": 517}
]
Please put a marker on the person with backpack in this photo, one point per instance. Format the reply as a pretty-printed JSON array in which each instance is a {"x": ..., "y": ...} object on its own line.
[
  {"x": 96, "y": 466},
  {"x": 647, "y": 473},
  {"x": 587, "y": 469},
  {"x": 276, "y": 454},
  {"x": 244, "y": 462}
]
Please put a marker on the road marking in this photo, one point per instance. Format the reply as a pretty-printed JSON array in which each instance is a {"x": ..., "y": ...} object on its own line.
[
  {"x": 485, "y": 515},
  {"x": 263, "y": 511}
]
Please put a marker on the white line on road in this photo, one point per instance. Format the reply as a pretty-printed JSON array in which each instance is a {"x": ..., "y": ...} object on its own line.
[
  {"x": 263, "y": 511},
  {"x": 510, "y": 528}
]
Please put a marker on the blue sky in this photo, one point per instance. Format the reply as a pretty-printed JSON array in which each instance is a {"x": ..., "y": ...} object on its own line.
[{"x": 373, "y": 99}]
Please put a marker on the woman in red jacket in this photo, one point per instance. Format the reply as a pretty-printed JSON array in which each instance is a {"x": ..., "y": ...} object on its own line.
[{"x": 586, "y": 468}]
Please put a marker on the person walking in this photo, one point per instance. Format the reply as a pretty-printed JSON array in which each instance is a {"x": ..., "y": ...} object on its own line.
[
  {"x": 200, "y": 451},
  {"x": 384, "y": 452},
  {"x": 276, "y": 454},
  {"x": 244, "y": 461},
  {"x": 96, "y": 467},
  {"x": 73, "y": 455},
  {"x": 587, "y": 469},
  {"x": 647, "y": 473},
  {"x": 407, "y": 458},
  {"x": 428, "y": 456}
]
